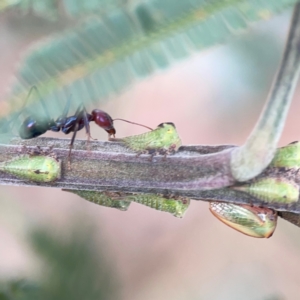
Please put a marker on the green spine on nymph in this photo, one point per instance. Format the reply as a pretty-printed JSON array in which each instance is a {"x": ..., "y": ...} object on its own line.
[
  {"x": 287, "y": 157},
  {"x": 249, "y": 220},
  {"x": 37, "y": 168},
  {"x": 163, "y": 140}
]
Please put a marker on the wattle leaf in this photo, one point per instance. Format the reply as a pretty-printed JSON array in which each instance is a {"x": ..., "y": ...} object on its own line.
[{"x": 103, "y": 56}]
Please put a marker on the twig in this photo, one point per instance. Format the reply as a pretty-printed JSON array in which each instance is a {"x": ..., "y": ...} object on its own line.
[{"x": 193, "y": 172}]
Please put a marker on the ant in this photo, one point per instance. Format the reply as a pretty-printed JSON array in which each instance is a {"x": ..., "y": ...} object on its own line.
[{"x": 35, "y": 126}]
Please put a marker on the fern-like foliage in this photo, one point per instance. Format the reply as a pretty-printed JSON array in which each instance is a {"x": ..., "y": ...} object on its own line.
[
  {"x": 50, "y": 9},
  {"x": 45, "y": 8},
  {"x": 103, "y": 56}
]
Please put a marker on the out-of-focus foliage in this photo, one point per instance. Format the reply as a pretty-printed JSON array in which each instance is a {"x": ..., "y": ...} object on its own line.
[
  {"x": 71, "y": 269},
  {"x": 103, "y": 56},
  {"x": 50, "y": 9},
  {"x": 45, "y": 8},
  {"x": 18, "y": 290}
]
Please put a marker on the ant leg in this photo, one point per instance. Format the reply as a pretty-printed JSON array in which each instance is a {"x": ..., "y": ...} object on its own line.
[
  {"x": 87, "y": 127},
  {"x": 86, "y": 123},
  {"x": 42, "y": 102},
  {"x": 62, "y": 119},
  {"x": 67, "y": 107},
  {"x": 71, "y": 145}
]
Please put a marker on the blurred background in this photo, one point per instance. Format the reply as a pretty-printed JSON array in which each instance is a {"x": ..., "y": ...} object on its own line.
[{"x": 214, "y": 97}]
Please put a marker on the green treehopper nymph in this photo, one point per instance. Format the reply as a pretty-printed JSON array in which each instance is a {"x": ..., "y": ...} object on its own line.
[
  {"x": 250, "y": 220},
  {"x": 271, "y": 189},
  {"x": 163, "y": 140},
  {"x": 38, "y": 168},
  {"x": 175, "y": 206},
  {"x": 107, "y": 199},
  {"x": 287, "y": 157}
]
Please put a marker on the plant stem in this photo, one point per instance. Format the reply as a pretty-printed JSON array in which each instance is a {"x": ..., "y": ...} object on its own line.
[
  {"x": 197, "y": 172},
  {"x": 255, "y": 155}
]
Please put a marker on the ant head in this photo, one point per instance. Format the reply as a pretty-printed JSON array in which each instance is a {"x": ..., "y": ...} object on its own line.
[
  {"x": 111, "y": 131},
  {"x": 103, "y": 120}
]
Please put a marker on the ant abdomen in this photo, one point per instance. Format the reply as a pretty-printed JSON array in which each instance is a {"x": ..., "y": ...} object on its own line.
[{"x": 32, "y": 128}]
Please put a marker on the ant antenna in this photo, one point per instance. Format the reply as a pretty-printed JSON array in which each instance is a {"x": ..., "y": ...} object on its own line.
[
  {"x": 67, "y": 107},
  {"x": 134, "y": 123},
  {"x": 33, "y": 88}
]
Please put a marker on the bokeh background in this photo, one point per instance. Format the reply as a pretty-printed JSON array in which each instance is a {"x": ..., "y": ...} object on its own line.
[{"x": 214, "y": 97}]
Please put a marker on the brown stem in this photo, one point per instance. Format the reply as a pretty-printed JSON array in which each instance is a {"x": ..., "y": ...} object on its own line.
[{"x": 197, "y": 172}]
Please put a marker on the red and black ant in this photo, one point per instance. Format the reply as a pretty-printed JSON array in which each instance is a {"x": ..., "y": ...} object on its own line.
[{"x": 35, "y": 126}]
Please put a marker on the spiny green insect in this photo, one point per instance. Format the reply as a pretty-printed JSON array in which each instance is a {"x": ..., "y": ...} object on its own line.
[
  {"x": 177, "y": 207},
  {"x": 271, "y": 190},
  {"x": 252, "y": 221},
  {"x": 162, "y": 140},
  {"x": 37, "y": 168},
  {"x": 287, "y": 157},
  {"x": 107, "y": 199}
]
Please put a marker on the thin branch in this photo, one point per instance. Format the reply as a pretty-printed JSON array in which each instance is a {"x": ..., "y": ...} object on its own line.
[
  {"x": 197, "y": 172},
  {"x": 290, "y": 217},
  {"x": 111, "y": 164},
  {"x": 255, "y": 155}
]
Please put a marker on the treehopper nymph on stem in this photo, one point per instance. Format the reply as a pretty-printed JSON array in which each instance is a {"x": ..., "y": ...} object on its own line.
[
  {"x": 175, "y": 206},
  {"x": 163, "y": 140},
  {"x": 249, "y": 220},
  {"x": 36, "y": 168},
  {"x": 107, "y": 199},
  {"x": 287, "y": 157},
  {"x": 271, "y": 190}
]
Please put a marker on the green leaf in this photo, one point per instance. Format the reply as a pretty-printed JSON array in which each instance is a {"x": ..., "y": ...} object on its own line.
[
  {"x": 49, "y": 9},
  {"x": 78, "y": 7},
  {"x": 5, "y": 4},
  {"x": 103, "y": 56},
  {"x": 45, "y": 8}
]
